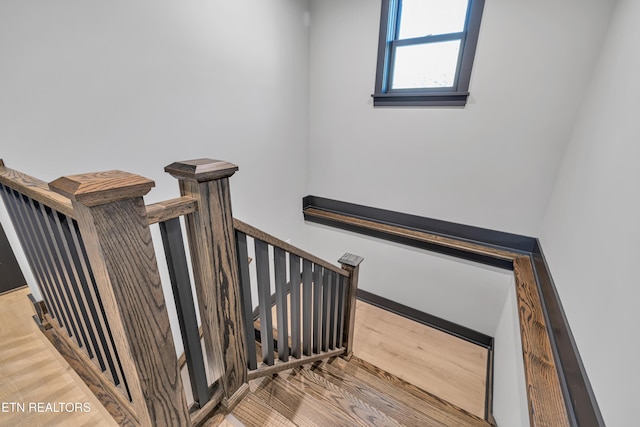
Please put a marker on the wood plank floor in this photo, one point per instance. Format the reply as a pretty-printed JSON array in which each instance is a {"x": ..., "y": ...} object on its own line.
[
  {"x": 32, "y": 373},
  {"x": 441, "y": 364}
]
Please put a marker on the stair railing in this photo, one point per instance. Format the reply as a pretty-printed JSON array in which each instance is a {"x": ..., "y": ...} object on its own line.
[{"x": 87, "y": 240}]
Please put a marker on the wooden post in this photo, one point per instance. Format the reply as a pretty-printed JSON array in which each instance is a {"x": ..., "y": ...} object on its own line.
[
  {"x": 351, "y": 263},
  {"x": 215, "y": 269},
  {"x": 113, "y": 221}
]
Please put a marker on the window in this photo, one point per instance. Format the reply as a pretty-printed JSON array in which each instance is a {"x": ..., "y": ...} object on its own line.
[{"x": 426, "y": 51}]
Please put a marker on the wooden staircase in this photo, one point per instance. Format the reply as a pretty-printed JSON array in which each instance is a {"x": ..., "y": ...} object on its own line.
[{"x": 335, "y": 392}]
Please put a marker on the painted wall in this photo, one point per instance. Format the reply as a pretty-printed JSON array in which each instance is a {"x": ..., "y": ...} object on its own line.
[
  {"x": 591, "y": 230},
  {"x": 90, "y": 86},
  {"x": 491, "y": 164},
  {"x": 463, "y": 292},
  {"x": 510, "y": 405}
]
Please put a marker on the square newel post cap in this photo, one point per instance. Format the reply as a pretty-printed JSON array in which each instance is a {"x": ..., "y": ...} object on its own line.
[
  {"x": 93, "y": 189},
  {"x": 351, "y": 260},
  {"x": 201, "y": 170}
]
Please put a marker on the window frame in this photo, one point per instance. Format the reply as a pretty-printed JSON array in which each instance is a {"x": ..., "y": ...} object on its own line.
[{"x": 387, "y": 43}]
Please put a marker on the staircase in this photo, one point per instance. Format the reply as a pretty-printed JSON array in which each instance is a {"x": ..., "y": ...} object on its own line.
[{"x": 335, "y": 392}]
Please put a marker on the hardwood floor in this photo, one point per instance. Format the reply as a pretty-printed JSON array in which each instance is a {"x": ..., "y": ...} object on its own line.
[
  {"x": 32, "y": 371},
  {"x": 33, "y": 374},
  {"x": 441, "y": 364}
]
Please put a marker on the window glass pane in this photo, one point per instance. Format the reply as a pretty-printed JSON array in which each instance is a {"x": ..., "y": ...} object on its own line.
[
  {"x": 426, "y": 65},
  {"x": 426, "y": 17}
]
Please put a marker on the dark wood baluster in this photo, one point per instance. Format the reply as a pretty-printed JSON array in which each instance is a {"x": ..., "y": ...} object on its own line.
[
  {"x": 71, "y": 278},
  {"x": 23, "y": 210},
  {"x": 171, "y": 232},
  {"x": 295, "y": 280},
  {"x": 307, "y": 290},
  {"x": 280, "y": 273},
  {"x": 245, "y": 297},
  {"x": 334, "y": 313},
  {"x": 78, "y": 255},
  {"x": 317, "y": 308},
  {"x": 264, "y": 301},
  {"x": 342, "y": 296},
  {"x": 350, "y": 263},
  {"x": 29, "y": 249},
  {"x": 326, "y": 309},
  {"x": 67, "y": 280}
]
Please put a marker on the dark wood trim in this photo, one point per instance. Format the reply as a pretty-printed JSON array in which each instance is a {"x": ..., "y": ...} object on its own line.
[
  {"x": 488, "y": 395},
  {"x": 573, "y": 377},
  {"x": 279, "y": 366},
  {"x": 563, "y": 369},
  {"x": 489, "y": 238},
  {"x": 426, "y": 319}
]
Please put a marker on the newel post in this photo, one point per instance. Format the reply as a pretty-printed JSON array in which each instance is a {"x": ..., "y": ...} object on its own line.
[
  {"x": 213, "y": 251},
  {"x": 113, "y": 222},
  {"x": 350, "y": 263}
]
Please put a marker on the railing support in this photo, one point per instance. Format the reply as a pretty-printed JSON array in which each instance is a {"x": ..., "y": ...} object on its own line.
[
  {"x": 113, "y": 221},
  {"x": 350, "y": 263},
  {"x": 213, "y": 252}
]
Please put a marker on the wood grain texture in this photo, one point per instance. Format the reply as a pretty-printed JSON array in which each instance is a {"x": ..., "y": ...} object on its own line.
[
  {"x": 350, "y": 263},
  {"x": 120, "y": 250},
  {"x": 441, "y": 411},
  {"x": 439, "y": 363},
  {"x": 170, "y": 209},
  {"x": 279, "y": 366},
  {"x": 213, "y": 251},
  {"x": 99, "y": 188},
  {"x": 110, "y": 396},
  {"x": 415, "y": 235},
  {"x": 201, "y": 170},
  {"x": 31, "y": 370},
  {"x": 36, "y": 189},
  {"x": 254, "y": 412},
  {"x": 274, "y": 241},
  {"x": 546, "y": 402}
]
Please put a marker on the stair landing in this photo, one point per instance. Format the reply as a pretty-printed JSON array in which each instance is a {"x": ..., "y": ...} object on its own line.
[{"x": 341, "y": 393}]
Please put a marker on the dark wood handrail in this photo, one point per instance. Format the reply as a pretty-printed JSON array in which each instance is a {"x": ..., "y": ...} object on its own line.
[
  {"x": 548, "y": 404},
  {"x": 256, "y": 233}
]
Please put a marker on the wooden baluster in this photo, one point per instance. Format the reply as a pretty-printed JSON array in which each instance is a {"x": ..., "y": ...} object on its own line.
[
  {"x": 213, "y": 252},
  {"x": 114, "y": 226},
  {"x": 350, "y": 263}
]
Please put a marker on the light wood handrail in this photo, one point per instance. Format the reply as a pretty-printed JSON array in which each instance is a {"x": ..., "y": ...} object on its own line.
[{"x": 36, "y": 189}]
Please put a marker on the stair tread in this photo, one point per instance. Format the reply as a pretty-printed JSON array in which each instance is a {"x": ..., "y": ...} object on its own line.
[
  {"x": 254, "y": 412},
  {"x": 393, "y": 407},
  {"x": 303, "y": 410},
  {"x": 394, "y": 388}
]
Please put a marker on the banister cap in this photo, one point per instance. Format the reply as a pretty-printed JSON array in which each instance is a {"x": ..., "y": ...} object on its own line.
[
  {"x": 92, "y": 189},
  {"x": 351, "y": 260},
  {"x": 201, "y": 170}
]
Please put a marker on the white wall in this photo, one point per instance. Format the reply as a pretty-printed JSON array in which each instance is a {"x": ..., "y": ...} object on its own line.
[
  {"x": 98, "y": 85},
  {"x": 466, "y": 293},
  {"x": 510, "y": 405},
  {"x": 491, "y": 164},
  {"x": 591, "y": 230}
]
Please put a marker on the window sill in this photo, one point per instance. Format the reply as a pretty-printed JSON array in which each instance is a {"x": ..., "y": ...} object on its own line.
[{"x": 431, "y": 99}]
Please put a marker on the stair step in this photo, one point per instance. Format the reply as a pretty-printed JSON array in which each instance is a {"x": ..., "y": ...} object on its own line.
[
  {"x": 410, "y": 397},
  {"x": 293, "y": 403},
  {"x": 254, "y": 412}
]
